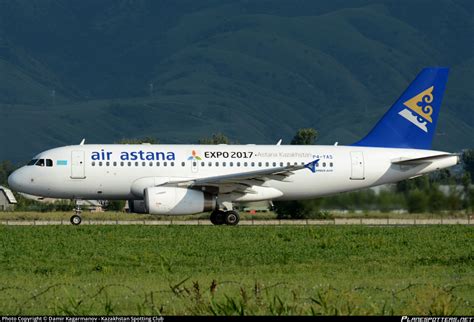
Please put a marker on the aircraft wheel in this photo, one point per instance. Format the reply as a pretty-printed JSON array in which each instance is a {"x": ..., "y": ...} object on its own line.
[
  {"x": 231, "y": 217},
  {"x": 217, "y": 217},
  {"x": 76, "y": 220}
]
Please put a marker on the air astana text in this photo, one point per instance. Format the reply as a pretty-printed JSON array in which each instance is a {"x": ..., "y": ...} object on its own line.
[{"x": 134, "y": 155}]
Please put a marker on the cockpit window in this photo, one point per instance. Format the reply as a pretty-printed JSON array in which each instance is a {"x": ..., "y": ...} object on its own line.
[
  {"x": 41, "y": 162},
  {"x": 32, "y": 162}
]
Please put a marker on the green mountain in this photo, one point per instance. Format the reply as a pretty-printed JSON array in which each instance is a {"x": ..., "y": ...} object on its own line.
[{"x": 254, "y": 70}]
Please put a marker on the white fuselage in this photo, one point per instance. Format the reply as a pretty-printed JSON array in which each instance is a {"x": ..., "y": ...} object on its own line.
[{"x": 122, "y": 171}]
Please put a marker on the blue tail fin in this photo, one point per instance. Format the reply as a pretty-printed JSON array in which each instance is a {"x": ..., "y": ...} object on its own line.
[{"x": 411, "y": 121}]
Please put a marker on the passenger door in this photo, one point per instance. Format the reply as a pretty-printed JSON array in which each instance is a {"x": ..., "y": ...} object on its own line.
[
  {"x": 357, "y": 166},
  {"x": 78, "y": 167}
]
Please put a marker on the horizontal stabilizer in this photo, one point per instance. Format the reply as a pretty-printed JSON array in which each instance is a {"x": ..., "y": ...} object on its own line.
[{"x": 423, "y": 160}]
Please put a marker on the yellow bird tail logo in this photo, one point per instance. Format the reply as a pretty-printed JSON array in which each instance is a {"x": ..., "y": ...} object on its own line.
[{"x": 419, "y": 109}]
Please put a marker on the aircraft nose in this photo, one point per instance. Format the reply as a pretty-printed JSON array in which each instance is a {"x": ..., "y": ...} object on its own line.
[{"x": 14, "y": 180}]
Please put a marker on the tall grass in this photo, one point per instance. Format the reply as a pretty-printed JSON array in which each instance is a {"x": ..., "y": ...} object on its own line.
[{"x": 142, "y": 270}]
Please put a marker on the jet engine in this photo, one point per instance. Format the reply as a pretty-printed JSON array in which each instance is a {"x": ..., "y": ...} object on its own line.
[{"x": 177, "y": 201}]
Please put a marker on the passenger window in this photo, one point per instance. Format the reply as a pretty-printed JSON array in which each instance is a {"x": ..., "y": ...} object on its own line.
[
  {"x": 115, "y": 163},
  {"x": 245, "y": 164},
  {"x": 217, "y": 164},
  {"x": 143, "y": 164},
  {"x": 165, "y": 164},
  {"x": 172, "y": 163},
  {"x": 100, "y": 164},
  {"x": 150, "y": 164},
  {"x": 136, "y": 163},
  {"x": 183, "y": 164},
  {"x": 209, "y": 164},
  {"x": 93, "y": 163},
  {"x": 238, "y": 164},
  {"x": 194, "y": 163},
  {"x": 267, "y": 164},
  {"x": 107, "y": 163},
  {"x": 157, "y": 164},
  {"x": 260, "y": 164},
  {"x": 231, "y": 164},
  {"x": 281, "y": 164},
  {"x": 122, "y": 164},
  {"x": 49, "y": 162},
  {"x": 203, "y": 164},
  {"x": 223, "y": 164},
  {"x": 324, "y": 164},
  {"x": 129, "y": 164},
  {"x": 274, "y": 164},
  {"x": 330, "y": 164}
]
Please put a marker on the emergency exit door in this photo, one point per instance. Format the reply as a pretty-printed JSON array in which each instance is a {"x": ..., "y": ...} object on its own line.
[
  {"x": 78, "y": 167},
  {"x": 357, "y": 166}
]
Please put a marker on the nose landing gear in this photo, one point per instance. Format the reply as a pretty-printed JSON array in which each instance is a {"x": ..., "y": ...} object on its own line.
[{"x": 76, "y": 218}]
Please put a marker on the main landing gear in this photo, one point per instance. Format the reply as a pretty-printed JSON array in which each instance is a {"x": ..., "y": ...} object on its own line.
[
  {"x": 76, "y": 218},
  {"x": 221, "y": 217}
]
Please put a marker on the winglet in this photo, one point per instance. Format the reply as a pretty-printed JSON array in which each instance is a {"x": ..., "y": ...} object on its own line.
[{"x": 312, "y": 165}]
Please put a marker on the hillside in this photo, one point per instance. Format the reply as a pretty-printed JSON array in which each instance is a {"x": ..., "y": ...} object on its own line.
[{"x": 254, "y": 70}]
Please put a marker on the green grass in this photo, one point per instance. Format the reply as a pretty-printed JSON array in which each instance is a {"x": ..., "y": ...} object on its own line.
[
  {"x": 270, "y": 215},
  {"x": 402, "y": 215},
  {"x": 236, "y": 270}
]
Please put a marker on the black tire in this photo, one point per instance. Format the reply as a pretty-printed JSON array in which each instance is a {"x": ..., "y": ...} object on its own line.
[
  {"x": 217, "y": 217},
  {"x": 76, "y": 220},
  {"x": 232, "y": 218},
  {"x": 213, "y": 217}
]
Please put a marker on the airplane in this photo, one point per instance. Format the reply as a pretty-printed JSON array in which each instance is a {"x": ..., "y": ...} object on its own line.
[{"x": 190, "y": 179}]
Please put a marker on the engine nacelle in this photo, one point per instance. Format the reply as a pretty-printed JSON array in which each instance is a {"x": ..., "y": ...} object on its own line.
[
  {"x": 177, "y": 201},
  {"x": 137, "y": 206}
]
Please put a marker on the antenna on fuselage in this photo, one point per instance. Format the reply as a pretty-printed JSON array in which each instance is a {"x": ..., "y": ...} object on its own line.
[{"x": 82, "y": 142}]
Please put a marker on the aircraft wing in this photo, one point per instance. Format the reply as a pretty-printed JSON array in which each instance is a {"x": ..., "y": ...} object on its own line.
[
  {"x": 243, "y": 180},
  {"x": 422, "y": 160}
]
